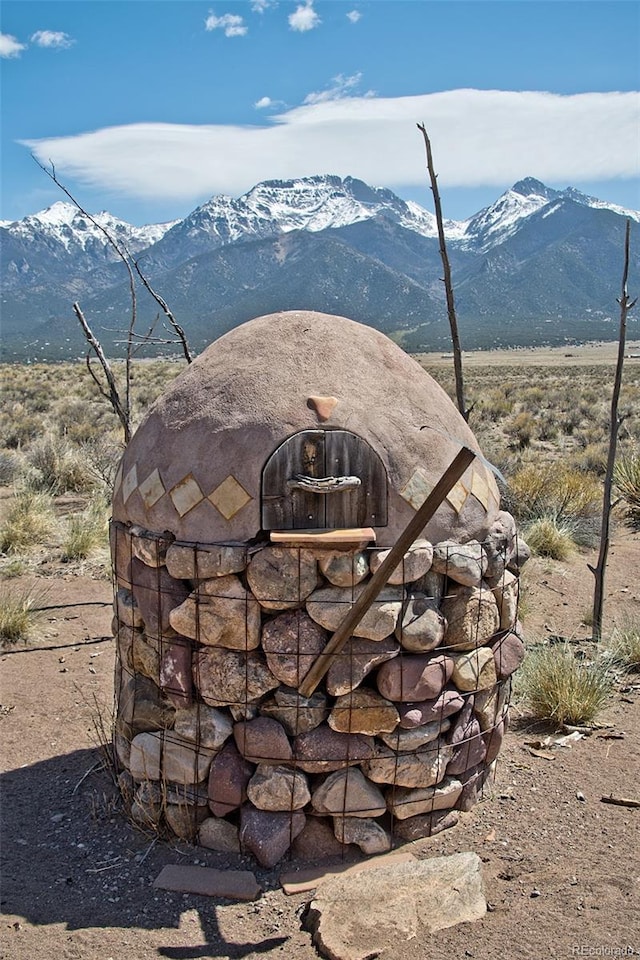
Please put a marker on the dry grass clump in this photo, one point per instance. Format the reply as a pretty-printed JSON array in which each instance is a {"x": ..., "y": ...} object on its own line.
[
  {"x": 627, "y": 480},
  {"x": 624, "y": 646},
  {"x": 9, "y": 467},
  {"x": 30, "y": 521},
  {"x": 553, "y": 489},
  {"x": 558, "y": 506},
  {"x": 19, "y": 611},
  {"x": 556, "y": 686},
  {"x": 56, "y": 465},
  {"x": 547, "y": 537},
  {"x": 86, "y": 532}
]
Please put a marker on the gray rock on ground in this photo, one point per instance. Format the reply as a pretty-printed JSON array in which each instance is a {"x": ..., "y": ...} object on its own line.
[{"x": 373, "y": 913}]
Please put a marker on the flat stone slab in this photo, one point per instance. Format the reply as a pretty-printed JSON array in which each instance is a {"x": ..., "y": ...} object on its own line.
[
  {"x": 370, "y": 914},
  {"x": 230, "y": 884},
  {"x": 310, "y": 878}
]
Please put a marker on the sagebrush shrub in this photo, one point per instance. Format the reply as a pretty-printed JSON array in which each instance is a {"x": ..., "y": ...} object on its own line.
[
  {"x": 627, "y": 479},
  {"x": 58, "y": 466},
  {"x": 19, "y": 610},
  {"x": 555, "y": 686},
  {"x": 30, "y": 521}
]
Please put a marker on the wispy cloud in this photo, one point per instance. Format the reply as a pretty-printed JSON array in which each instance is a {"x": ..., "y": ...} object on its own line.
[
  {"x": 340, "y": 87},
  {"x": 304, "y": 18},
  {"x": 54, "y": 39},
  {"x": 480, "y": 138},
  {"x": 259, "y": 6},
  {"x": 354, "y": 16},
  {"x": 232, "y": 24},
  {"x": 10, "y": 47}
]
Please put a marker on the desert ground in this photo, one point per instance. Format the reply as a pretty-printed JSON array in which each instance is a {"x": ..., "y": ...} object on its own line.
[{"x": 560, "y": 866}]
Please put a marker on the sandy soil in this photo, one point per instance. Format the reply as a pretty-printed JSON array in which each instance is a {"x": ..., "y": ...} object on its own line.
[{"x": 561, "y": 868}]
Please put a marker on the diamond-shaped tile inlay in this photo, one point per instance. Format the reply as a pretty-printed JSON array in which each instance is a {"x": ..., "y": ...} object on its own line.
[
  {"x": 417, "y": 488},
  {"x": 457, "y": 496},
  {"x": 480, "y": 488},
  {"x": 118, "y": 478},
  {"x": 186, "y": 494},
  {"x": 129, "y": 483},
  {"x": 152, "y": 489},
  {"x": 229, "y": 497}
]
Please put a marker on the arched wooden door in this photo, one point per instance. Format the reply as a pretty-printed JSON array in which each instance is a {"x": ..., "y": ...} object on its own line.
[{"x": 291, "y": 500}]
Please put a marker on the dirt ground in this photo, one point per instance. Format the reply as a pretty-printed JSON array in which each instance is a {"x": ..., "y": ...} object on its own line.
[{"x": 561, "y": 869}]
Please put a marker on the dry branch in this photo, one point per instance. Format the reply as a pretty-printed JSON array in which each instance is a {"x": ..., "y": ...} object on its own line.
[
  {"x": 614, "y": 426},
  {"x": 112, "y": 394},
  {"x": 448, "y": 284},
  {"x": 620, "y": 801}
]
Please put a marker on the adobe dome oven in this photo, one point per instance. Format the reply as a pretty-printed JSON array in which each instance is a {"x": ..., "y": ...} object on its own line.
[{"x": 252, "y": 509}]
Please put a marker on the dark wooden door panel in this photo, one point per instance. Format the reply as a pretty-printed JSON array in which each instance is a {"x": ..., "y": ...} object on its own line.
[{"x": 319, "y": 454}]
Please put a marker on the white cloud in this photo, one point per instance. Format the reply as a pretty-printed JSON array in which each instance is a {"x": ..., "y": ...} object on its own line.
[
  {"x": 304, "y": 18},
  {"x": 55, "y": 39},
  {"x": 479, "y": 137},
  {"x": 259, "y": 6},
  {"x": 340, "y": 87},
  {"x": 10, "y": 47},
  {"x": 232, "y": 24},
  {"x": 263, "y": 103},
  {"x": 354, "y": 15}
]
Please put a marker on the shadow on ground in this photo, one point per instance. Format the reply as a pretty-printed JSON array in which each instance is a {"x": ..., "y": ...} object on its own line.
[{"x": 71, "y": 857}]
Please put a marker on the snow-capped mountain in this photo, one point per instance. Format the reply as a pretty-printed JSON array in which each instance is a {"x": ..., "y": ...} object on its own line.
[
  {"x": 491, "y": 226},
  {"x": 281, "y": 206},
  {"x": 537, "y": 264},
  {"x": 63, "y": 223}
]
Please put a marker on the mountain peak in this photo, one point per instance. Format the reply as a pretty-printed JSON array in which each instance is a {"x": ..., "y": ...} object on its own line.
[
  {"x": 530, "y": 187},
  {"x": 59, "y": 213}
]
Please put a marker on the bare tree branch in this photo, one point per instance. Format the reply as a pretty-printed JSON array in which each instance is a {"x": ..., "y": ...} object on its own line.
[
  {"x": 448, "y": 285},
  {"x": 614, "y": 425},
  {"x": 134, "y": 341},
  {"x": 114, "y": 396},
  {"x": 169, "y": 315}
]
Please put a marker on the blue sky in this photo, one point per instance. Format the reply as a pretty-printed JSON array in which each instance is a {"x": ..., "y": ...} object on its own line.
[{"x": 149, "y": 108}]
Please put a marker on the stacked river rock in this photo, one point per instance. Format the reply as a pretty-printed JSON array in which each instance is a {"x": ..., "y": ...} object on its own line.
[{"x": 214, "y": 641}]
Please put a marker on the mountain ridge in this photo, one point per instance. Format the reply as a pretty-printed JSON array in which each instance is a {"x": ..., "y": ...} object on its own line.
[{"x": 358, "y": 250}]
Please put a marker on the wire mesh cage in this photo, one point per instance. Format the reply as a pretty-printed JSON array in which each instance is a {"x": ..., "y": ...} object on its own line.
[{"x": 215, "y": 738}]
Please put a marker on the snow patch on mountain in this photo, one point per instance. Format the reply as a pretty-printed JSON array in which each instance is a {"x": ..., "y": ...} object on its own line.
[
  {"x": 65, "y": 224},
  {"x": 572, "y": 194},
  {"x": 502, "y": 219}
]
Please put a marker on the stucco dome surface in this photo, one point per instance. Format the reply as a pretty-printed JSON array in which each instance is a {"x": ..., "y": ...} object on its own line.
[{"x": 194, "y": 465}]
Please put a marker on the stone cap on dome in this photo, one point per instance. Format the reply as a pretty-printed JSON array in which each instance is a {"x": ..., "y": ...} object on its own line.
[{"x": 194, "y": 466}]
